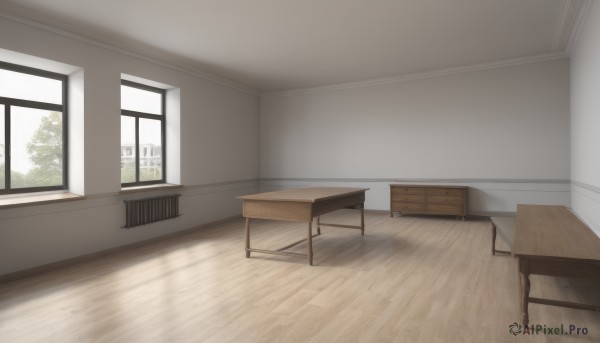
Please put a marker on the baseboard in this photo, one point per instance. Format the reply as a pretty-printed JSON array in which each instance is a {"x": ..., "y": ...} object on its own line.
[
  {"x": 21, "y": 274},
  {"x": 377, "y": 211}
]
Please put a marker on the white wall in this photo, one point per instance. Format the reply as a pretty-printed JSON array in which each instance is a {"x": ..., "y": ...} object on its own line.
[
  {"x": 504, "y": 132},
  {"x": 219, "y": 155},
  {"x": 585, "y": 121}
]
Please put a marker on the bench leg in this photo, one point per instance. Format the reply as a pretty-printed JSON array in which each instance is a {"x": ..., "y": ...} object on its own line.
[
  {"x": 493, "y": 239},
  {"x": 494, "y": 250},
  {"x": 318, "y": 225},
  {"x": 310, "y": 247},
  {"x": 247, "y": 237},
  {"x": 362, "y": 221}
]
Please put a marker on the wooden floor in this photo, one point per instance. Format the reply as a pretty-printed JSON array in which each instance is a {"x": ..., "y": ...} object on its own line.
[{"x": 409, "y": 279}]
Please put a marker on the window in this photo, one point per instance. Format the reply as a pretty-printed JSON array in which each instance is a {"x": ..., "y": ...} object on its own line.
[
  {"x": 142, "y": 134},
  {"x": 33, "y": 129}
]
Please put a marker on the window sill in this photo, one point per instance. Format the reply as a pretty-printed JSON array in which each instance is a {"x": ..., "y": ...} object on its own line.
[
  {"x": 31, "y": 199},
  {"x": 160, "y": 186}
]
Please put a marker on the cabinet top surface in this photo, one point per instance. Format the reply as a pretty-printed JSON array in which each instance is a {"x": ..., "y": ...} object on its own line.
[
  {"x": 426, "y": 186},
  {"x": 311, "y": 194},
  {"x": 553, "y": 231}
]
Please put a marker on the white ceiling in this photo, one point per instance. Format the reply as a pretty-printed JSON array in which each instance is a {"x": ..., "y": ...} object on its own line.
[{"x": 274, "y": 45}]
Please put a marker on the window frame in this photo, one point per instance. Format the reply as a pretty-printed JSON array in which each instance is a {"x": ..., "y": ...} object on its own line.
[
  {"x": 137, "y": 115},
  {"x": 63, "y": 108}
]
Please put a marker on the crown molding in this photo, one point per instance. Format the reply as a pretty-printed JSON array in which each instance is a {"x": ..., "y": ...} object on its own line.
[
  {"x": 420, "y": 180},
  {"x": 565, "y": 24},
  {"x": 562, "y": 19},
  {"x": 163, "y": 61},
  {"x": 579, "y": 19},
  {"x": 418, "y": 76}
]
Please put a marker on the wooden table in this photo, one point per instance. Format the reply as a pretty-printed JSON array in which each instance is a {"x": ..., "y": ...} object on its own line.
[
  {"x": 551, "y": 240},
  {"x": 302, "y": 205}
]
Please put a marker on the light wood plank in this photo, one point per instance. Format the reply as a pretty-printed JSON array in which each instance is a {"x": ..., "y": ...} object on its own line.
[{"x": 410, "y": 279}]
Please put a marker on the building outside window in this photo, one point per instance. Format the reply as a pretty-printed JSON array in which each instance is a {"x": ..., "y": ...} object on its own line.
[
  {"x": 33, "y": 130},
  {"x": 142, "y": 134}
]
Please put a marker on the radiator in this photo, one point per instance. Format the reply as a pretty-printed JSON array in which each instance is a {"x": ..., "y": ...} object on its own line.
[{"x": 150, "y": 210}]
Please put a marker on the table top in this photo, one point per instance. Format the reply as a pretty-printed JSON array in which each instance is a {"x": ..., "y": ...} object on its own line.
[
  {"x": 311, "y": 194},
  {"x": 554, "y": 231}
]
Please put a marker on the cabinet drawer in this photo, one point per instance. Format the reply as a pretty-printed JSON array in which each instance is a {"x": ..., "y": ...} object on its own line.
[
  {"x": 446, "y": 209},
  {"x": 407, "y": 190},
  {"x": 445, "y": 200},
  {"x": 400, "y": 206},
  {"x": 418, "y": 199},
  {"x": 446, "y": 191}
]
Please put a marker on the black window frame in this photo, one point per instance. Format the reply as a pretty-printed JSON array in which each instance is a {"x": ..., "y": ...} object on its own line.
[
  {"x": 137, "y": 115},
  {"x": 63, "y": 108}
]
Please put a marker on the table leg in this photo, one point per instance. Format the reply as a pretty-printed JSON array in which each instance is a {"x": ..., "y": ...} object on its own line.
[
  {"x": 318, "y": 225},
  {"x": 362, "y": 221},
  {"x": 525, "y": 298},
  {"x": 310, "y": 247},
  {"x": 525, "y": 287},
  {"x": 247, "y": 237}
]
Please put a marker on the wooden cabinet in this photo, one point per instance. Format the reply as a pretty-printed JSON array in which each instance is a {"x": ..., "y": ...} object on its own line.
[{"x": 421, "y": 199}]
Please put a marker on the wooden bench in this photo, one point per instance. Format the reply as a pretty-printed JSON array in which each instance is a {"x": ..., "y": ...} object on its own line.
[
  {"x": 506, "y": 227},
  {"x": 552, "y": 241}
]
